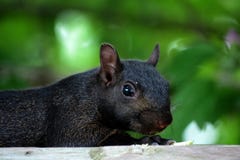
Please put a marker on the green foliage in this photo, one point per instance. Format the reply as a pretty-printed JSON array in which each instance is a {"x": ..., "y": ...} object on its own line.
[
  {"x": 42, "y": 41},
  {"x": 204, "y": 90}
]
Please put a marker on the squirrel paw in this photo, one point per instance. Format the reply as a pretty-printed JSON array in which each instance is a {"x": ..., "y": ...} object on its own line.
[{"x": 156, "y": 140}]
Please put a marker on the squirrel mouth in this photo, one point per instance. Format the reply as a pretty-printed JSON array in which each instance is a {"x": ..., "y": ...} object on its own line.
[
  {"x": 152, "y": 131},
  {"x": 159, "y": 127}
]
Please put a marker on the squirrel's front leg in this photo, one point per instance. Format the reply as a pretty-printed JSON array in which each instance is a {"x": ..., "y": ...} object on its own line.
[{"x": 122, "y": 138}]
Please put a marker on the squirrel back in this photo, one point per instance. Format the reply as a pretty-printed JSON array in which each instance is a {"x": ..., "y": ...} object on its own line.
[{"x": 86, "y": 109}]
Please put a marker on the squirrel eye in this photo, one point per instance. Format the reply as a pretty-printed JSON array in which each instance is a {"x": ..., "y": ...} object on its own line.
[{"x": 128, "y": 90}]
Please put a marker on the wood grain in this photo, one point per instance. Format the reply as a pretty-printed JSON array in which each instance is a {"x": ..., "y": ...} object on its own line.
[{"x": 136, "y": 152}]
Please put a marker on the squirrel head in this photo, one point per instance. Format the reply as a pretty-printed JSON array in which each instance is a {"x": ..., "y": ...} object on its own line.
[{"x": 134, "y": 96}]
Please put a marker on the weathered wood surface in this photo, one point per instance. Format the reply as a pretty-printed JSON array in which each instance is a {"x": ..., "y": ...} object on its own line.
[{"x": 136, "y": 152}]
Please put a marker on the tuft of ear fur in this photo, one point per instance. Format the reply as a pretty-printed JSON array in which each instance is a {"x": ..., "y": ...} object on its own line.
[
  {"x": 153, "y": 59},
  {"x": 110, "y": 64}
]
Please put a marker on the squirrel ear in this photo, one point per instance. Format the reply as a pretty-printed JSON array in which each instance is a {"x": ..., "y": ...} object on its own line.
[
  {"x": 110, "y": 64},
  {"x": 153, "y": 59}
]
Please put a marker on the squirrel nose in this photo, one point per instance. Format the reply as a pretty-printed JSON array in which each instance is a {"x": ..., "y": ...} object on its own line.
[{"x": 161, "y": 125}]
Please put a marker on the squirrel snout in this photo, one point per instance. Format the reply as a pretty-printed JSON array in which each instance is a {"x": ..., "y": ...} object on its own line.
[
  {"x": 155, "y": 121},
  {"x": 162, "y": 124}
]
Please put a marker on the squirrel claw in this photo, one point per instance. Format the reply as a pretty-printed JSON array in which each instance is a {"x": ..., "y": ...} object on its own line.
[
  {"x": 156, "y": 140},
  {"x": 170, "y": 142}
]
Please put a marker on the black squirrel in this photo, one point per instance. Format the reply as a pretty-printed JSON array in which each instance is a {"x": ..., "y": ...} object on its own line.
[{"x": 93, "y": 108}]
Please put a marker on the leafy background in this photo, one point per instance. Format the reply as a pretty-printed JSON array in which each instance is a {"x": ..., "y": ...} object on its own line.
[{"x": 42, "y": 41}]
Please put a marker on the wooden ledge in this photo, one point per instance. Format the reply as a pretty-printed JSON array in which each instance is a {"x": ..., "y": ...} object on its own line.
[{"x": 136, "y": 152}]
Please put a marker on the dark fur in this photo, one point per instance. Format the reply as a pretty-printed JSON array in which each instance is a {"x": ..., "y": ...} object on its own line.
[{"x": 88, "y": 109}]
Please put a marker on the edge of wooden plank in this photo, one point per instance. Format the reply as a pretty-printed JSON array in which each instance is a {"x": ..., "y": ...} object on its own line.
[{"x": 193, "y": 152}]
